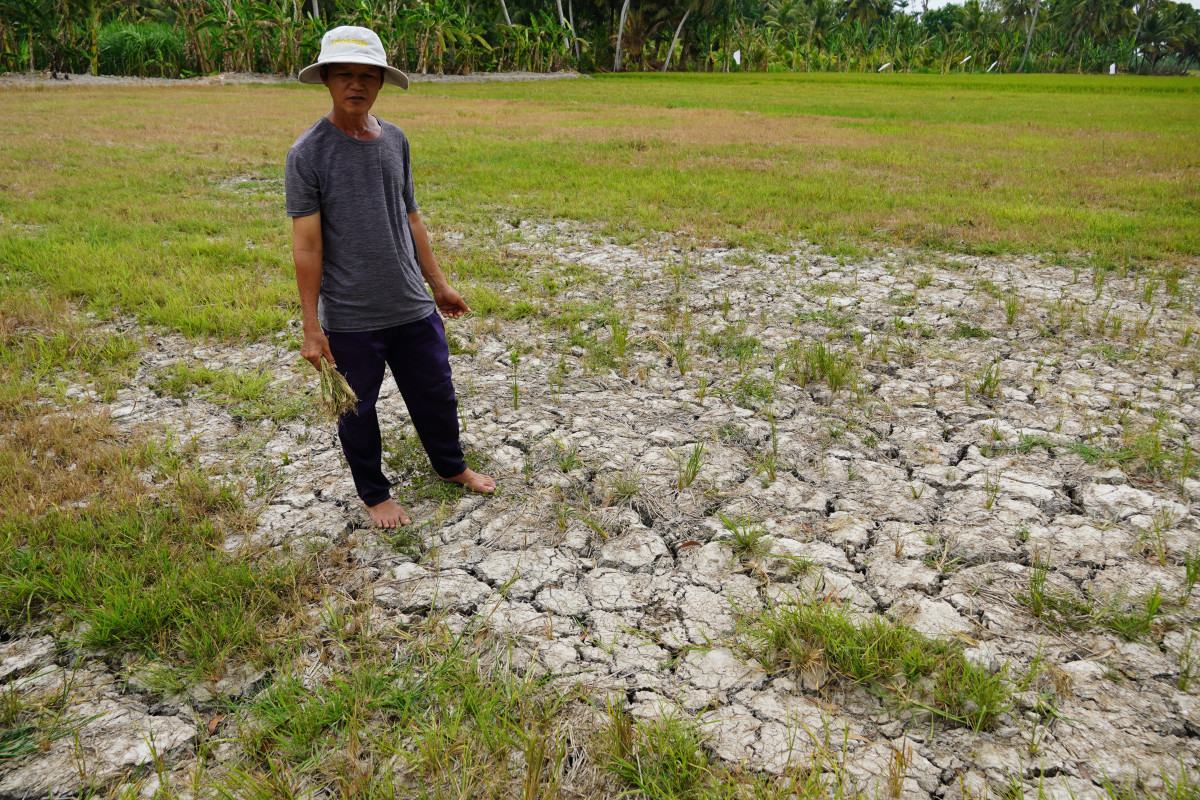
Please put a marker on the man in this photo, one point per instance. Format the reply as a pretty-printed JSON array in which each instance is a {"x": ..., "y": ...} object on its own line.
[{"x": 361, "y": 251}]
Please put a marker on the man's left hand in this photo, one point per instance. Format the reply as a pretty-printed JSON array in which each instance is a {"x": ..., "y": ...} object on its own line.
[{"x": 450, "y": 303}]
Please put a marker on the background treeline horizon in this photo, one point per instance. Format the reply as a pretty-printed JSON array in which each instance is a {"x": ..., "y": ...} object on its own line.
[{"x": 180, "y": 38}]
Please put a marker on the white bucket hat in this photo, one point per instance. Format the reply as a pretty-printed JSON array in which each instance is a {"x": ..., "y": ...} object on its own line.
[{"x": 350, "y": 44}]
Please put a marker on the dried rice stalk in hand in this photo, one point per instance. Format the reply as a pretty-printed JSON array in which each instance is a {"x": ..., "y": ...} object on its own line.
[{"x": 337, "y": 397}]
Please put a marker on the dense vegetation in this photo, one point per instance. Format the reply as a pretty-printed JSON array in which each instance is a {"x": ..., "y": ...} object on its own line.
[{"x": 183, "y": 37}]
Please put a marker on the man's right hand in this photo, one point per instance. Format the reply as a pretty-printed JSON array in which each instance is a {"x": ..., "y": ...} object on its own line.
[{"x": 316, "y": 345}]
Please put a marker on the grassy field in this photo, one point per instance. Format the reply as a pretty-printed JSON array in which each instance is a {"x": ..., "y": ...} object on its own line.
[
  {"x": 165, "y": 201},
  {"x": 163, "y": 206}
]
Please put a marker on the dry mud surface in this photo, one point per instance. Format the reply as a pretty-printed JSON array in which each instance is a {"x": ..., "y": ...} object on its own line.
[{"x": 907, "y": 497}]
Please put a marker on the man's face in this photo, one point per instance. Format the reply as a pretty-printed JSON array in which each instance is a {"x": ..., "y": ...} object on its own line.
[{"x": 353, "y": 87}]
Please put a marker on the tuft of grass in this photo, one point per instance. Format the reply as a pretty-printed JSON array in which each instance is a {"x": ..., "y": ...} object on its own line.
[
  {"x": 991, "y": 489},
  {"x": 624, "y": 486},
  {"x": 1059, "y": 610},
  {"x": 745, "y": 538},
  {"x": 767, "y": 464},
  {"x": 567, "y": 457},
  {"x": 1191, "y": 572},
  {"x": 965, "y": 330},
  {"x": 663, "y": 758},
  {"x": 689, "y": 468},
  {"x": 884, "y": 656},
  {"x": 1189, "y": 663},
  {"x": 989, "y": 381},
  {"x": 679, "y": 350},
  {"x": 816, "y": 362}
]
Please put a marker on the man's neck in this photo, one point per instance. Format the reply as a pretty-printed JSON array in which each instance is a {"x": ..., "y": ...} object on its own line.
[{"x": 358, "y": 126}]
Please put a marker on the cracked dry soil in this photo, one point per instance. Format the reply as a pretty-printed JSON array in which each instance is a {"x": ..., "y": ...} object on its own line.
[{"x": 606, "y": 561}]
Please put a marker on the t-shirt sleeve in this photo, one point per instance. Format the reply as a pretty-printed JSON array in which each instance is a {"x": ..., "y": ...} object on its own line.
[
  {"x": 302, "y": 190},
  {"x": 410, "y": 199}
]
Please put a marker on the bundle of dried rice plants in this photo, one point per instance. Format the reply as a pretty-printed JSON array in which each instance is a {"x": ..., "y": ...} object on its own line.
[{"x": 337, "y": 397}]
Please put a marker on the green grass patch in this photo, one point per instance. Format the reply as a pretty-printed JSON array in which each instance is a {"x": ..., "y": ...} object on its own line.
[
  {"x": 966, "y": 330},
  {"x": 663, "y": 758},
  {"x": 43, "y": 347},
  {"x": 114, "y": 541},
  {"x": 1149, "y": 452},
  {"x": 437, "y": 716},
  {"x": 732, "y": 342},
  {"x": 883, "y": 656},
  {"x": 150, "y": 579},
  {"x": 248, "y": 394}
]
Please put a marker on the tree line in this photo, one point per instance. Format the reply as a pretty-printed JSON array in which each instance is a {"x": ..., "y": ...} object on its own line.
[{"x": 179, "y": 38}]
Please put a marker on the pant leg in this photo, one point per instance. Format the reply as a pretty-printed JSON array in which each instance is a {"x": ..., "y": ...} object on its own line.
[
  {"x": 360, "y": 357},
  {"x": 420, "y": 362}
]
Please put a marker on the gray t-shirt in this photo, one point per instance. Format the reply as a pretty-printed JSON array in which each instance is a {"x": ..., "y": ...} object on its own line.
[{"x": 364, "y": 191}]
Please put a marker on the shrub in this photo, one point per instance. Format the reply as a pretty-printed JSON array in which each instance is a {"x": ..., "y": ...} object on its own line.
[{"x": 145, "y": 50}]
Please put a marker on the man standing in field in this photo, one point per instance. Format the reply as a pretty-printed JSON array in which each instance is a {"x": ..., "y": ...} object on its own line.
[{"x": 361, "y": 251}]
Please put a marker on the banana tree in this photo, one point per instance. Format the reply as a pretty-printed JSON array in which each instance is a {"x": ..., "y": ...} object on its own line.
[
  {"x": 91, "y": 11},
  {"x": 438, "y": 28},
  {"x": 29, "y": 21},
  {"x": 280, "y": 20}
]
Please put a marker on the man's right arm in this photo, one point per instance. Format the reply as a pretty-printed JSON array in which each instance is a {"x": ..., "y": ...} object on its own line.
[{"x": 307, "y": 256}]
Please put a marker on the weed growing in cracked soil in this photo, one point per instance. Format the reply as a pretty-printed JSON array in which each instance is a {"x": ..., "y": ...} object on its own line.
[
  {"x": 438, "y": 717},
  {"x": 884, "y": 656},
  {"x": 248, "y": 395}
]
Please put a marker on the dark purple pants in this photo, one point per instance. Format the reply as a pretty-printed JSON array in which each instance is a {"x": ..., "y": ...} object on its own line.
[{"x": 419, "y": 359}]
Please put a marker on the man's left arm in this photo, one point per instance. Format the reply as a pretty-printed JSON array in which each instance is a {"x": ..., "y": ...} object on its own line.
[{"x": 448, "y": 300}]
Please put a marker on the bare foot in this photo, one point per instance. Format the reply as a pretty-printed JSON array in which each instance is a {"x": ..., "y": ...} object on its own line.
[
  {"x": 388, "y": 514},
  {"x": 475, "y": 481}
]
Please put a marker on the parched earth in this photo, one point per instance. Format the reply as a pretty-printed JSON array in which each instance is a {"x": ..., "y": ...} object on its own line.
[{"x": 1008, "y": 430}]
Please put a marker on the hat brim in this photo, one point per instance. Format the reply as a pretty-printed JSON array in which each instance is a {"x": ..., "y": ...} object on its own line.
[{"x": 312, "y": 73}]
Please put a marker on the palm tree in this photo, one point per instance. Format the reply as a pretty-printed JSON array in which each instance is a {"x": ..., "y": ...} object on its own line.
[
  {"x": 867, "y": 12},
  {"x": 1097, "y": 20},
  {"x": 675, "y": 39},
  {"x": 1014, "y": 12},
  {"x": 1156, "y": 35},
  {"x": 620, "y": 33}
]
